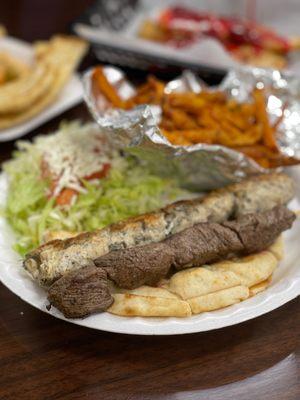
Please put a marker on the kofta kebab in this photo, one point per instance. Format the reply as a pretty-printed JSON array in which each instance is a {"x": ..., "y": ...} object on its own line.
[{"x": 242, "y": 219}]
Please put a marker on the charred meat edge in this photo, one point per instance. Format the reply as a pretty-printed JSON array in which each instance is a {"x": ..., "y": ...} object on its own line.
[
  {"x": 52, "y": 260},
  {"x": 86, "y": 290}
]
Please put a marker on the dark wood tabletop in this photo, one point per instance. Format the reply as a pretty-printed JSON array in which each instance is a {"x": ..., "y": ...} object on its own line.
[{"x": 45, "y": 358}]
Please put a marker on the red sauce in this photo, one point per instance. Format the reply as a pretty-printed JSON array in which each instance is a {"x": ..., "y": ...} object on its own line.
[{"x": 186, "y": 26}]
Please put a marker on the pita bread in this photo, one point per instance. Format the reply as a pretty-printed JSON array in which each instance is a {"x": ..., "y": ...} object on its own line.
[
  {"x": 277, "y": 248},
  {"x": 201, "y": 289},
  {"x": 247, "y": 271},
  {"x": 61, "y": 55},
  {"x": 250, "y": 270},
  {"x": 260, "y": 287},
  {"x": 21, "y": 93},
  {"x": 217, "y": 300},
  {"x": 11, "y": 67},
  {"x": 149, "y": 302},
  {"x": 199, "y": 281},
  {"x": 149, "y": 291}
]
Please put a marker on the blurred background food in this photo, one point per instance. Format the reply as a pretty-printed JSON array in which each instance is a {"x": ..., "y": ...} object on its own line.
[
  {"x": 199, "y": 34},
  {"x": 245, "y": 40},
  {"x": 27, "y": 89},
  {"x": 11, "y": 68},
  {"x": 186, "y": 119}
]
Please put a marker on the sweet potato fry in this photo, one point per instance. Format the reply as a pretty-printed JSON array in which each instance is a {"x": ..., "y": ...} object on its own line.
[
  {"x": 266, "y": 157},
  {"x": 246, "y": 110},
  {"x": 101, "y": 84},
  {"x": 182, "y": 120},
  {"x": 237, "y": 119},
  {"x": 210, "y": 117},
  {"x": 231, "y": 136},
  {"x": 149, "y": 93},
  {"x": 176, "y": 138},
  {"x": 259, "y": 151},
  {"x": 187, "y": 101},
  {"x": 167, "y": 124},
  {"x": 207, "y": 119},
  {"x": 201, "y": 135}
]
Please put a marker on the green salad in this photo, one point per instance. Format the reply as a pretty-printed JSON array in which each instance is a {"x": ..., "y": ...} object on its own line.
[{"x": 126, "y": 189}]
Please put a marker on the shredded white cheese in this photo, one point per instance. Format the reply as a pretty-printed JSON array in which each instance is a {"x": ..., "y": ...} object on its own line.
[{"x": 74, "y": 153}]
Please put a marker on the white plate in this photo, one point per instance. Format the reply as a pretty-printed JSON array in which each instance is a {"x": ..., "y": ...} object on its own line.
[
  {"x": 69, "y": 97},
  {"x": 283, "y": 17},
  {"x": 285, "y": 286}
]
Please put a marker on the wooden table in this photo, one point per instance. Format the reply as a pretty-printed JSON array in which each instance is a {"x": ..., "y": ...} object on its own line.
[{"x": 45, "y": 358}]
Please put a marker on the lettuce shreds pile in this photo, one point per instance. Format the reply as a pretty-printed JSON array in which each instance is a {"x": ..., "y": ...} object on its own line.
[{"x": 129, "y": 189}]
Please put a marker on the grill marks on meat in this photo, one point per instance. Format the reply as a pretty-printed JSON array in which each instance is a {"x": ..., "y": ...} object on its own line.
[
  {"x": 81, "y": 294},
  {"x": 209, "y": 242},
  {"x": 256, "y": 232},
  {"x": 52, "y": 260},
  {"x": 85, "y": 291},
  {"x": 137, "y": 266},
  {"x": 203, "y": 243}
]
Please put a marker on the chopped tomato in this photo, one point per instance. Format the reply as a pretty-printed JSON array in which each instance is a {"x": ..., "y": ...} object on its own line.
[{"x": 65, "y": 197}]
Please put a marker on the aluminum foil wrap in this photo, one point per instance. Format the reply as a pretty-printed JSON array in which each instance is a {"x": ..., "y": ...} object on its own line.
[{"x": 202, "y": 166}]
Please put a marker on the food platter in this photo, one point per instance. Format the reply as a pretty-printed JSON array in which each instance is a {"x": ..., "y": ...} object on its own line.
[
  {"x": 69, "y": 97},
  {"x": 106, "y": 246},
  {"x": 284, "y": 287},
  {"x": 120, "y": 35}
]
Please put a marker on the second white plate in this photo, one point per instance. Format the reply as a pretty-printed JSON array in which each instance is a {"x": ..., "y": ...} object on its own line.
[{"x": 70, "y": 95}]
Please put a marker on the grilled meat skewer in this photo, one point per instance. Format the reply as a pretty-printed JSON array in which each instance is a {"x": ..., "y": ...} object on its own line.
[
  {"x": 86, "y": 290},
  {"x": 202, "y": 243},
  {"x": 52, "y": 260}
]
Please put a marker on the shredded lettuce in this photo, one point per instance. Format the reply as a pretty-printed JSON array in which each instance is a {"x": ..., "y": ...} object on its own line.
[{"x": 129, "y": 189}]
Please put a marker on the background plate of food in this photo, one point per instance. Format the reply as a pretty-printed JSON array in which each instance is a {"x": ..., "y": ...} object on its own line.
[
  {"x": 37, "y": 82},
  {"x": 210, "y": 35},
  {"x": 129, "y": 273}
]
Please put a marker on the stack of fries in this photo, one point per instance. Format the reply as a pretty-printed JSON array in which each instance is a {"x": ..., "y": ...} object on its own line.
[{"x": 207, "y": 117}]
